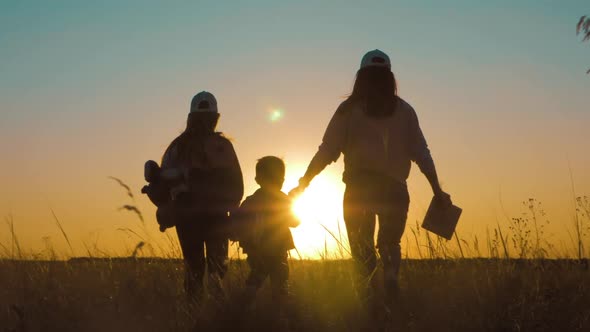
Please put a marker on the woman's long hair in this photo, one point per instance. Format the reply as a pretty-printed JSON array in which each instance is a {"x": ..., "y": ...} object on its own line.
[
  {"x": 190, "y": 143},
  {"x": 376, "y": 89}
]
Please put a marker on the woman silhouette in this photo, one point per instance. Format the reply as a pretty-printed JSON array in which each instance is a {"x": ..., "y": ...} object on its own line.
[
  {"x": 210, "y": 188},
  {"x": 379, "y": 135}
]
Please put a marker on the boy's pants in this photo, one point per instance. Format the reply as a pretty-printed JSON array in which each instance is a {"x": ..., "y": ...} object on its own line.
[
  {"x": 276, "y": 267},
  {"x": 194, "y": 238},
  {"x": 363, "y": 200}
]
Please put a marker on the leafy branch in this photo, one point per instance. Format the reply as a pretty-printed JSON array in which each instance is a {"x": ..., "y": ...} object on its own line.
[{"x": 583, "y": 28}]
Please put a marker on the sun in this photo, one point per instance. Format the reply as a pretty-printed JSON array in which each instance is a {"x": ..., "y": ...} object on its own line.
[
  {"x": 317, "y": 203},
  {"x": 319, "y": 210}
]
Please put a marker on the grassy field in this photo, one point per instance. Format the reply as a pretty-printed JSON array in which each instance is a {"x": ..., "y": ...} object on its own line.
[
  {"x": 437, "y": 295},
  {"x": 515, "y": 288}
]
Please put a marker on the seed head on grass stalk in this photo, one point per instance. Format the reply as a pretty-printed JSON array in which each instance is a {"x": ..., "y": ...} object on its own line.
[
  {"x": 134, "y": 209},
  {"x": 149, "y": 239},
  {"x": 124, "y": 185},
  {"x": 138, "y": 247},
  {"x": 15, "y": 243},
  {"x": 468, "y": 248},
  {"x": 476, "y": 246},
  {"x": 492, "y": 248},
  {"x": 63, "y": 232}
]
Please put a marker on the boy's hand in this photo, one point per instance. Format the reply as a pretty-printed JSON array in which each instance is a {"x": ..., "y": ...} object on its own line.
[{"x": 296, "y": 192}]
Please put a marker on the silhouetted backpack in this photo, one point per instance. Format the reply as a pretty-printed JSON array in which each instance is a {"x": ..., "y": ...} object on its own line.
[
  {"x": 158, "y": 191},
  {"x": 207, "y": 183}
]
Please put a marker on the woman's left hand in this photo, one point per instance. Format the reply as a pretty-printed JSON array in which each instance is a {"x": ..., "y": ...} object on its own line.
[{"x": 443, "y": 198}]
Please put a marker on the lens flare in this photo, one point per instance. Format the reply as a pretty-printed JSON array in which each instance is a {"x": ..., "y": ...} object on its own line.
[{"x": 276, "y": 115}]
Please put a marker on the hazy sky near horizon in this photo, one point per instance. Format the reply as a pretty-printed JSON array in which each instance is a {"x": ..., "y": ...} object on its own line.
[{"x": 94, "y": 89}]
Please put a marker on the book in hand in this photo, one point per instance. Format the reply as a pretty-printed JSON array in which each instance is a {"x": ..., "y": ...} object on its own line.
[{"x": 441, "y": 219}]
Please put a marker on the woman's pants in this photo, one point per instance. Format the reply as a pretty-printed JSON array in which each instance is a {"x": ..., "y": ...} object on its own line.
[
  {"x": 363, "y": 200},
  {"x": 194, "y": 240}
]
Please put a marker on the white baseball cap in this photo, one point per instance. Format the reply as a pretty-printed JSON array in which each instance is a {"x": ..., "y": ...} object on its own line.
[
  {"x": 375, "y": 58},
  {"x": 203, "y": 102}
]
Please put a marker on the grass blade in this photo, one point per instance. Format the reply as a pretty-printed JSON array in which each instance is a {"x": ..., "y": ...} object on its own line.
[{"x": 63, "y": 232}]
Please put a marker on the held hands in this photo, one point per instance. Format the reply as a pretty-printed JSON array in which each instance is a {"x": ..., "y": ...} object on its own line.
[{"x": 297, "y": 191}]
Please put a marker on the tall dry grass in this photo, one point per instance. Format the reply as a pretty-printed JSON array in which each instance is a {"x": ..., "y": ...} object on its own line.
[
  {"x": 512, "y": 286},
  {"x": 521, "y": 236},
  {"x": 436, "y": 294}
]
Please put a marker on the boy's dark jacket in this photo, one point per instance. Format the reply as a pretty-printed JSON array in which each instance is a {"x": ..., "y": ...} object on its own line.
[{"x": 262, "y": 223}]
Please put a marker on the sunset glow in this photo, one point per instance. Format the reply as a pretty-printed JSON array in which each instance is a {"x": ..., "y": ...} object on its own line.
[
  {"x": 91, "y": 90},
  {"x": 319, "y": 209},
  {"x": 182, "y": 166}
]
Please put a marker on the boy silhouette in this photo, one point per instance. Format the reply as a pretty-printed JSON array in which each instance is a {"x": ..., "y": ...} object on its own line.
[{"x": 263, "y": 222}]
